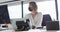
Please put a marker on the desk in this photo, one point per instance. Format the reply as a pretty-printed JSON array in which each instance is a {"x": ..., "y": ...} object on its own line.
[
  {"x": 37, "y": 30},
  {"x": 7, "y": 31}
]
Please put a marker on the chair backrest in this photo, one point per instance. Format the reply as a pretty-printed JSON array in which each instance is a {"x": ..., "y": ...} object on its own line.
[
  {"x": 45, "y": 19},
  {"x": 20, "y": 23}
]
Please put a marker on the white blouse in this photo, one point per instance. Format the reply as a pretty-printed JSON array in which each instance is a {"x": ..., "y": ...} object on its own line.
[{"x": 37, "y": 21}]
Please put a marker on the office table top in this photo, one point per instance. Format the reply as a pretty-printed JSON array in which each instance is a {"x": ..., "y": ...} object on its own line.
[
  {"x": 37, "y": 30},
  {"x": 31, "y": 30},
  {"x": 7, "y": 31}
]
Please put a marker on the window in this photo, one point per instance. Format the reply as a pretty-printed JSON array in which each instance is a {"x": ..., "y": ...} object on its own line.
[
  {"x": 46, "y": 7},
  {"x": 15, "y": 11}
]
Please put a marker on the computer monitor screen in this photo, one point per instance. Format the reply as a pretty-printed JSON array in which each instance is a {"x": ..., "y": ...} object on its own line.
[{"x": 4, "y": 16}]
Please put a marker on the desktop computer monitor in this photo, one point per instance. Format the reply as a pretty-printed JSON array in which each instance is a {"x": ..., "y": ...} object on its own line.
[
  {"x": 4, "y": 15},
  {"x": 52, "y": 25}
]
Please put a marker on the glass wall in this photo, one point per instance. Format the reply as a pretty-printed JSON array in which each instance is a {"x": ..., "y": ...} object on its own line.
[
  {"x": 15, "y": 11},
  {"x": 46, "y": 7}
]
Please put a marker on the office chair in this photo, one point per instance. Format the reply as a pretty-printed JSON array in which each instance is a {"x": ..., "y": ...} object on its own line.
[{"x": 45, "y": 19}]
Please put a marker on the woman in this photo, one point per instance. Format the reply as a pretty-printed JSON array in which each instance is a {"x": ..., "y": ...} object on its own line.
[{"x": 34, "y": 17}]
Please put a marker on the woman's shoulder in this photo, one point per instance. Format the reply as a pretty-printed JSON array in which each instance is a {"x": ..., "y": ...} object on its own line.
[{"x": 27, "y": 16}]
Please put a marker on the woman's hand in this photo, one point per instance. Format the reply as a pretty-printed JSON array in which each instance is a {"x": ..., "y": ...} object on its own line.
[{"x": 33, "y": 27}]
